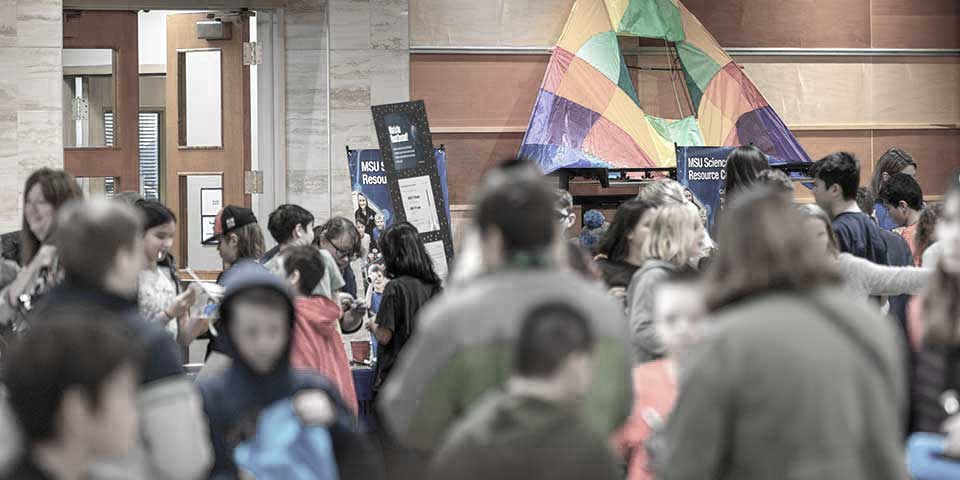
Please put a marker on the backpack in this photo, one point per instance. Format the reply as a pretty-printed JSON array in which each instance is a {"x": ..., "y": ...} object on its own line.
[{"x": 286, "y": 449}]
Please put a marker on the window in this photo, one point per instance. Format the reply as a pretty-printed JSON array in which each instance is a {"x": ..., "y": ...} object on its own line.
[{"x": 149, "y": 152}]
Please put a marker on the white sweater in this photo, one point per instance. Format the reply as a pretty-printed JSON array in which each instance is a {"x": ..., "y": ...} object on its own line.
[{"x": 864, "y": 278}]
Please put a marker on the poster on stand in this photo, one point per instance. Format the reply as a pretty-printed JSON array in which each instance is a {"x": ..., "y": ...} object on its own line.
[
  {"x": 413, "y": 174},
  {"x": 700, "y": 170},
  {"x": 370, "y": 195}
]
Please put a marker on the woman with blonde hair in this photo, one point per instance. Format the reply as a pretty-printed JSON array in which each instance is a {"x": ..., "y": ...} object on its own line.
[
  {"x": 673, "y": 240},
  {"x": 667, "y": 191}
]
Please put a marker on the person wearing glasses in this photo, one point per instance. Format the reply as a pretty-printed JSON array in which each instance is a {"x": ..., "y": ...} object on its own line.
[{"x": 341, "y": 239}]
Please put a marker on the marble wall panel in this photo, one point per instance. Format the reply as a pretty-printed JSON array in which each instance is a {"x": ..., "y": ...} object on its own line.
[
  {"x": 306, "y": 24},
  {"x": 8, "y": 23},
  {"x": 350, "y": 20},
  {"x": 389, "y": 24},
  {"x": 306, "y": 81},
  {"x": 306, "y": 140},
  {"x": 39, "y": 140},
  {"x": 40, "y": 23},
  {"x": 39, "y": 79}
]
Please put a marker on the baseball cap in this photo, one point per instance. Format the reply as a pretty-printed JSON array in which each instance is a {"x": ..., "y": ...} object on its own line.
[{"x": 229, "y": 219}]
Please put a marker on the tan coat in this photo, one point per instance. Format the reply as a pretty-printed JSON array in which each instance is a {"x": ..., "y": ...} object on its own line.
[{"x": 785, "y": 390}]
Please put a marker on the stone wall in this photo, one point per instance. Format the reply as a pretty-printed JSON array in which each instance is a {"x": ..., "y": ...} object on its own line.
[
  {"x": 31, "y": 119},
  {"x": 370, "y": 65}
]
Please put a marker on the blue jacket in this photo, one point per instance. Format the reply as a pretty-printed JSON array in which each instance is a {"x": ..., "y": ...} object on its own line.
[{"x": 234, "y": 400}]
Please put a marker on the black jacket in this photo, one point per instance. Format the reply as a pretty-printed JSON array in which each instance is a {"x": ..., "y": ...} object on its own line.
[{"x": 163, "y": 357}]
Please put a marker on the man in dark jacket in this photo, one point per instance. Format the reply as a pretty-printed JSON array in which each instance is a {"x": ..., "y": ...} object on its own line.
[{"x": 101, "y": 252}]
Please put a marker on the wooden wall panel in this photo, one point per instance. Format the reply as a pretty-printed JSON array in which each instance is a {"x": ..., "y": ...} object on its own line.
[
  {"x": 477, "y": 90},
  {"x": 937, "y": 153},
  {"x": 819, "y": 144},
  {"x": 735, "y": 23},
  {"x": 470, "y": 155},
  {"x": 793, "y": 23},
  {"x": 915, "y": 24}
]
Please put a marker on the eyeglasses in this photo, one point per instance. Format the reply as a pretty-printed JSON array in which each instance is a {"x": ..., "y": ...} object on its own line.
[{"x": 344, "y": 253}]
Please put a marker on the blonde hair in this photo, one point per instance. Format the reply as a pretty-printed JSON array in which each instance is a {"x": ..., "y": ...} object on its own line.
[
  {"x": 673, "y": 229},
  {"x": 663, "y": 191}
]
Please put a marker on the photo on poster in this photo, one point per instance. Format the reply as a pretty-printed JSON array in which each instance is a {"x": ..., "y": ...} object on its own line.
[
  {"x": 419, "y": 204},
  {"x": 438, "y": 256},
  {"x": 404, "y": 140}
]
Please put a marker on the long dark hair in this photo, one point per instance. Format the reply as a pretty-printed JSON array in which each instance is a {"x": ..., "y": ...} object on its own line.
[
  {"x": 744, "y": 165},
  {"x": 154, "y": 214},
  {"x": 615, "y": 244},
  {"x": 763, "y": 248},
  {"x": 58, "y": 187},
  {"x": 892, "y": 161},
  {"x": 404, "y": 254}
]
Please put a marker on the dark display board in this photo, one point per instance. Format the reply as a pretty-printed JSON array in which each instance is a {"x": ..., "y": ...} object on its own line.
[{"x": 413, "y": 178}]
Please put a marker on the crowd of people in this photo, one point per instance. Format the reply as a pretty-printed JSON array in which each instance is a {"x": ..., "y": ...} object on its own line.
[{"x": 801, "y": 341}]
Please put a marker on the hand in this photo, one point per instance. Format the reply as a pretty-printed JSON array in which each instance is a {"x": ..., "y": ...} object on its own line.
[
  {"x": 345, "y": 300},
  {"x": 314, "y": 407},
  {"x": 952, "y": 429},
  {"x": 618, "y": 293},
  {"x": 181, "y": 304},
  {"x": 190, "y": 329},
  {"x": 44, "y": 256}
]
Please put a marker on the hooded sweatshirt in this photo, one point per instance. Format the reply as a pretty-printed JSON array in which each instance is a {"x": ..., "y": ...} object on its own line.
[
  {"x": 234, "y": 399},
  {"x": 318, "y": 346},
  {"x": 513, "y": 437}
]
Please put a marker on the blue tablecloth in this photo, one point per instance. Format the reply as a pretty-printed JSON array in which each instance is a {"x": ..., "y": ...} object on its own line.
[{"x": 363, "y": 383}]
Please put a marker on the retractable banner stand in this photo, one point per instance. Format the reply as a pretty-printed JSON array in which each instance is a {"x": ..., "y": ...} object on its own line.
[
  {"x": 700, "y": 169},
  {"x": 371, "y": 197},
  {"x": 413, "y": 176}
]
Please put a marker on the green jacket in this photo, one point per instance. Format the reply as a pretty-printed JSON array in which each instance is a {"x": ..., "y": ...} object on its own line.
[
  {"x": 463, "y": 344},
  {"x": 788, "y": 390},
  {"x": 510, "y": 437}
]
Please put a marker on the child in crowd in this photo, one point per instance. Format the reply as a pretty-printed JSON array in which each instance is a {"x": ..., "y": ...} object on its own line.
[
  {"x": 678, "y": 313},
  {"x": 534, "y": 429},
  {"x": 289, "y": 225},
  {"x": 836, "y": 178},
  {"x": 317, "y": 344},
  {"x": 892, "y": 162},
  {"x": 903, "y": 200},
  {"x": 928, "y": 243},
  {"x": 257, "y": 319},
  {"x": 862, "y": 278},
  {"x": 413, "y": 283},
  {"x": 674, "y": 238},
  {"x": 620, "y": 250},
  {"x": 238, "y": 239},
  {"x": 161, "y": 297},
  {"x": 743, "y": 167},
  {"x": 72, "y": 382}
]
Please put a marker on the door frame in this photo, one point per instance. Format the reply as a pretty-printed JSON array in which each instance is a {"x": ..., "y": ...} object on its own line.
[
  {"x": 271, "y": 155},
  {"x": 117, "y": 31}
]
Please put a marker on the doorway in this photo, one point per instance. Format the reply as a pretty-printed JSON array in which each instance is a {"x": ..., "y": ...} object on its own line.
[{"x": 162, "y": 103}]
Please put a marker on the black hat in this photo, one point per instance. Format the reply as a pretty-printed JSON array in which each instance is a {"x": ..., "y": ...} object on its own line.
[{"x": 229, "y": 219}]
